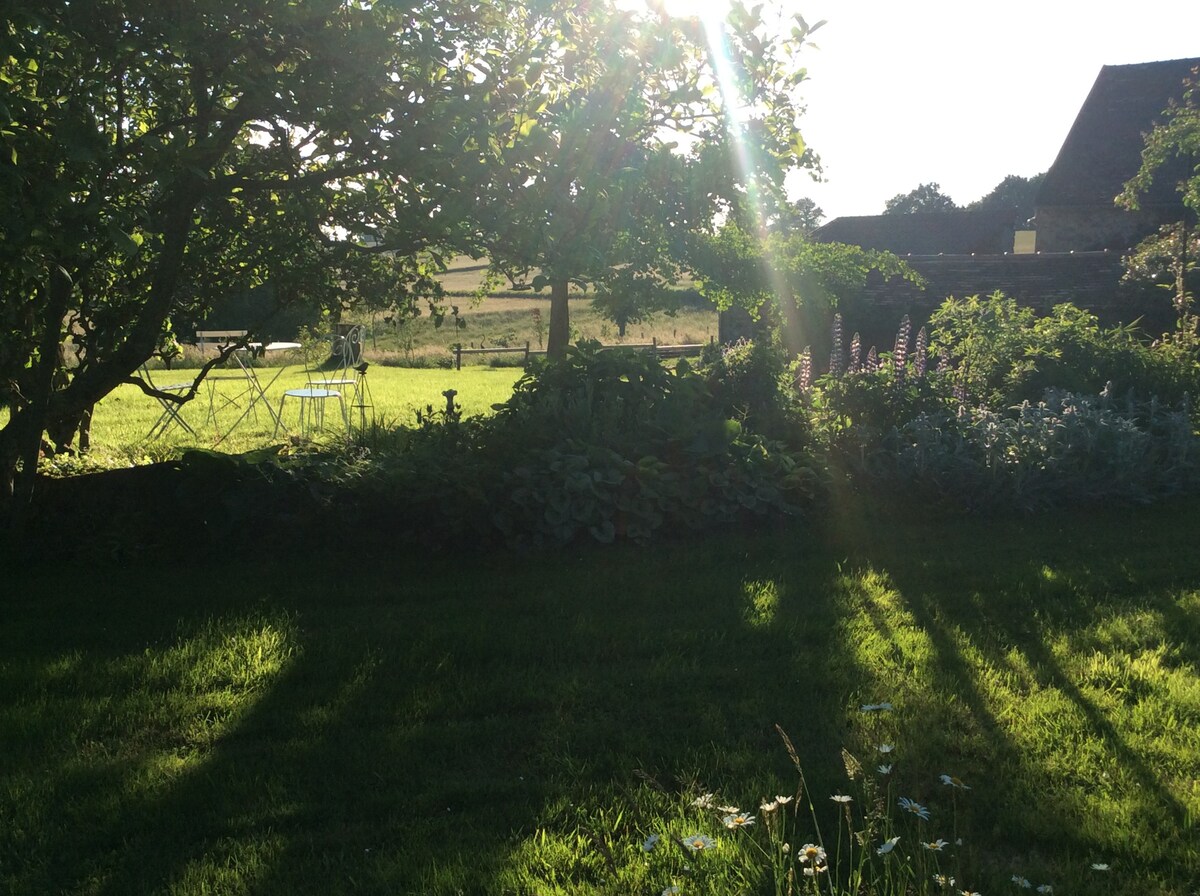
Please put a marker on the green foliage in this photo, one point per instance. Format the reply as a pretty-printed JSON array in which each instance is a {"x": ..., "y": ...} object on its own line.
[
  {"x": 619, "y": 145},
  {"x": 599, "y": 444},
  {"x": 1062, "y": 450},
  {"x": 144, "y": 183},
  {"x": 784, "y": 276},
  {"x": 1004, "y": 354},
  {"x": 924, "y": 198}
]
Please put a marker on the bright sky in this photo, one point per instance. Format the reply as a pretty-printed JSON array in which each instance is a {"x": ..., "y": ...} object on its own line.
[{"x": 960, "y": 92}]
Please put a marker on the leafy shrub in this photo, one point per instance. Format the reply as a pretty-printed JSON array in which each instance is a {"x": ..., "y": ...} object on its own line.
[
  {"x": 1065, "y": 449},
  {"x": 596, "y": 445},
  {"x": 1004, "y": 354},
  {"x": 749, "y": 380}
]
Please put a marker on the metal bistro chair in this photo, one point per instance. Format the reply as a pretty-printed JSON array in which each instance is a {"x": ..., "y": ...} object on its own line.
[
  {"x": 170, "y": 414},
  {"x": 348, "y": 351}
]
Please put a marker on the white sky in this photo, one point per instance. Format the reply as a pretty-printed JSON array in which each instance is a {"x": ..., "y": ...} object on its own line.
[{"x": 961, "y": 93}]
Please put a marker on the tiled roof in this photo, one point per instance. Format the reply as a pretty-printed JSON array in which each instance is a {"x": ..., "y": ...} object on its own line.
[
  {"x": 1103, "y": 148},
  {"x": 959, "y": 232}
]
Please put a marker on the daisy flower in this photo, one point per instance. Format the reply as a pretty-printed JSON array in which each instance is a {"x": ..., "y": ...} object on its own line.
[
  {"x": 811, "y": 853},
  {"x": 1100, "y": 866},
  {"x": 768, "y": 808},
  {"x": 884, "y": 769},
  {"x": 885, "y": 748},
  {"x": 876, "y": 707},
  {"x": 842, "y": 798},
  {"x": 915, "y": 808},
  {"x": 1045, "y": 888},
  {"x": 784, "y": 800},
  {"x": 650, "y": 842},
  {"x": 698, "y": 842},
  {"x": 704, "y": 801},
  {"x": 1021, "y": 882},
  {"x": 935, "y": 845},
  {"x": 738, "y": 820},
  {"x": 888, "y": 846},
  {"x": 951, "y": 781}
]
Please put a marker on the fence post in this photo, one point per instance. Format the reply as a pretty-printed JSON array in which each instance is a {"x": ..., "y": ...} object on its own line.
[
  {"x": 526, "y": 366},
  {"x": 654, "y": 347},
  {"x": 458, "y": 356}
]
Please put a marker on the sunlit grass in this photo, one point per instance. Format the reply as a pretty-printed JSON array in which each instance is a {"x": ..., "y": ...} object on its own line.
[
  {"x": 124, "y": 418},
  {"x": 380, "y": 724}
]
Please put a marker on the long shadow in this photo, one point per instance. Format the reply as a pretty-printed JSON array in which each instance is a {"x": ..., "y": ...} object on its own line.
[
  {"x": 1003, "y": 617},
  {"x": 416, "y": 739}
]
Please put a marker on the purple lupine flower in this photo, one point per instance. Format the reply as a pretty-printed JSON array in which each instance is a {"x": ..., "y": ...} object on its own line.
[
  {"x": 872, "y": 363},
  {"x": 920, "y": 358},
  {"x": 804, "y": 374},
  {"x": 900, "y": 352},
  {"x": 837, "y": 356},
  {"x": 943, "y": 359},
  {"x": 855, "y": 352}
]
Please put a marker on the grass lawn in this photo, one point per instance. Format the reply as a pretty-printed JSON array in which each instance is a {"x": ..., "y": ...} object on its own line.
[
  {"x": 123, "y": 419},
  {"x": 340, "y": 723}
]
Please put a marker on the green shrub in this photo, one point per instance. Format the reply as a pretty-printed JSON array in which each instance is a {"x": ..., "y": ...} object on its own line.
[{"x": 1004, "y": 354}]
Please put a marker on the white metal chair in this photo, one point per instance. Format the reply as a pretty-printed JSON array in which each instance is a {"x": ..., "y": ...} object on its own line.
[
  {"x": 170, "y": 413},
  {"x": 349, "y": 353}
]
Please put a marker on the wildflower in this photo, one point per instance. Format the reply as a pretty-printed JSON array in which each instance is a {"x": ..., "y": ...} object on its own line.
[
  {"x": 738, "y": 820},
  {"x": 768, "y": 808},
  {"x": 814, "y": 871},
  {"x": 970, "y": 893},
  {"x": 1021, "y": 882},
  {"x": 729, "y": 810},
  {"x": 650, "y": 842},
  {"x": 943, "y": 881},
  {"x": 915, "y": 808},
  {"x": 704, "y": 801},
  {"x": 698, "y": 842},
  {"x": 876, "y": 707},
  {"x": 1045, "y": 888},
  {"x": 884, "y": 769},
  {"x": 935, "y": 845},
  {"x": 842, "y": 798},
  {"x": 885, "y": 748},
  {"x": 810, "y": 853},
  {"x": 888, "y": 846},
  {"x": 672, "y": 890},
  {"x": 784, "y": 800},
  {"x": 1100, "y": 866},
  {"x": 954, "y": 782}
]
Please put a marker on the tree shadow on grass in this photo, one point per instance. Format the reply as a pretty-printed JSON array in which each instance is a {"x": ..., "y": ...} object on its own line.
[
  {"x": 416, "y": 736},
  {"x": 1058, "y": 581}
]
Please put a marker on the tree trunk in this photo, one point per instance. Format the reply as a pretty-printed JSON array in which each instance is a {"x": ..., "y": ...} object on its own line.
[
  {"x": 29, "y": 435},
  {"x": 560, "y": 321}
]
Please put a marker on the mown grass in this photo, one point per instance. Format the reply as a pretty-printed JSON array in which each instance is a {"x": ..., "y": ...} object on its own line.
[
  {"x": 341, "y": 723},
  {"x": 124, "y": 418}
]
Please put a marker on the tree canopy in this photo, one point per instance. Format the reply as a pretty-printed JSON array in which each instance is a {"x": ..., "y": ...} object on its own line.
[
  {"x": 1171, "y": 254},
  {"x": 628, "y": 132},
  {"x": 156, "y": 157},
  {"x": 924, "y": 198}
]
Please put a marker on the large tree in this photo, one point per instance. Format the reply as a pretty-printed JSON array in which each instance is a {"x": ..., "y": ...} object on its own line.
[
  {"x": 157, "y": 156},
  {"x": 1014, "y": 192},
  {"x": 629, "y": 131},
  {"x": 1172, "y": 145},
  {"x": 924, "y": 198}
]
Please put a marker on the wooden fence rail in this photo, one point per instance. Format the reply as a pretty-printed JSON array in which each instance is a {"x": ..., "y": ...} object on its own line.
[{"x": 687, "y": 349}]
